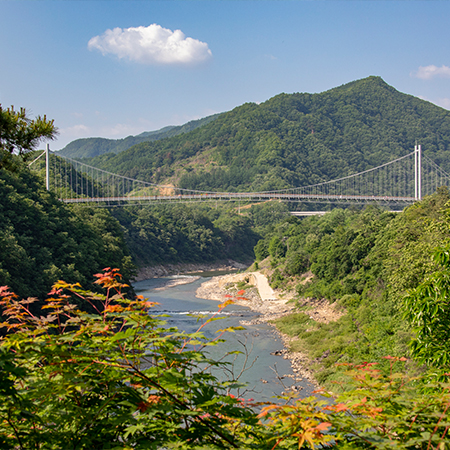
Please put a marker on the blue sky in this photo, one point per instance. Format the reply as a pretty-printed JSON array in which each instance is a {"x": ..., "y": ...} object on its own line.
[{"x": 115, "y": 68}]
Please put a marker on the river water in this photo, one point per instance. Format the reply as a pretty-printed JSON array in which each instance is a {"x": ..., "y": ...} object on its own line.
[{"x": 266, "y": 373}]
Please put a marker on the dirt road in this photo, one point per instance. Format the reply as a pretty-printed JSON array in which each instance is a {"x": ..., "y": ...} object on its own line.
[{"x": 264, "y": 289}]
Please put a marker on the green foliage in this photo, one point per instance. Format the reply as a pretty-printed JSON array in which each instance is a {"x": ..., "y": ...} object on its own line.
[
  {"x": 277, "y": 248},
  {"x": 381, "y": 411},
  {"x": 266, "y": 215},
  {"x": 411, "y": 240},
  {"x": 183, "y": 233},
  {"x": 366, "y": 261},
  {"x": 19, "y": 134},
  {"x": 276, "y": 280},
  {"x": 116, "y": 379},
  {"x": 428, "y": 310},
  {"x": 122, "y": 379},
  {"x": 237, "y": 234},
  {"x": 261, "y": 250},
  {"x": 293, "y": 324},
  {"x": 43, "y": 240}
]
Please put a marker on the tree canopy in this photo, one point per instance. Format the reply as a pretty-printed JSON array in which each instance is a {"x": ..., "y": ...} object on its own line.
[
  {"x": 19, "y": 134},
  {"x": 43, "y": 240},
  {"x": 428, "y": 310}
]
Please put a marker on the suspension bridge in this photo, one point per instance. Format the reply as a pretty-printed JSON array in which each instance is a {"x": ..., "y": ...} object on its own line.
[{"x": 403, "y": 180}]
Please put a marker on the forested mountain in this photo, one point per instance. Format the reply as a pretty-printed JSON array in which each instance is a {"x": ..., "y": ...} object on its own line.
[
  {"x": 43, "y": 240},
  {"x": 293, "y": 140},
  {"x": 90, "y": 147}
]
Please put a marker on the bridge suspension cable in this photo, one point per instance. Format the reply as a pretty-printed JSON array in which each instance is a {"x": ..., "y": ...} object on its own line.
[{"x": 404, "y": 180}]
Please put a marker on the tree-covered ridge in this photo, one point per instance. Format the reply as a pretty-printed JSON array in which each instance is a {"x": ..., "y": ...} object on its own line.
[
  {"x": 365, "y": 261},
  {"x": 43, "y": 240},
  {"x": 182, "y": 233},
  {"x": 95, "y": 146},
  {"x": 293, "y": 140}
]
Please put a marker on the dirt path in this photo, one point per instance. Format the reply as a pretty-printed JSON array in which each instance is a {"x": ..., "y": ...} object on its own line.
[{"x": 262, "y": 284}]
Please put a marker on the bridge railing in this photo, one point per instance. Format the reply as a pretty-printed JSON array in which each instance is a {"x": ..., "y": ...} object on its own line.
[{"x": 396, "y": 181}]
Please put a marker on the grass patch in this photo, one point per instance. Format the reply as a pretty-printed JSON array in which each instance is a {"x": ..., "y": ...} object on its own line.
[
  {"x": 293, "y": 324},
  {"x": 244, "y": 284},
  {"x": 326, "y": 344}
]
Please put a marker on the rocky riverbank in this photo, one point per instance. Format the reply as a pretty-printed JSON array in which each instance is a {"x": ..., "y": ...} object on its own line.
[
  {"x": 270, "y": 305},
  {"x": 168, "y": 270},
  {"x": 258, "y": 296}
]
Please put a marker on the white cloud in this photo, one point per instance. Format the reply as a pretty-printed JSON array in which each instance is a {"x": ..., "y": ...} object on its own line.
[
  {"x": 151, "y": 45},
  {"x": 81, "y": 130},
  {"x": 442, "y": 102},
  {"x": 119, "y": 130},
  {"x": 428, "y": 72}
]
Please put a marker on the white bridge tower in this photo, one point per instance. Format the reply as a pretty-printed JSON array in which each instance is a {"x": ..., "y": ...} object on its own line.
[{"x": 418, "y": 172}]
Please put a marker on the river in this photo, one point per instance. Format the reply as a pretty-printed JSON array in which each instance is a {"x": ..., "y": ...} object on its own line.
[{"x": 267, "y": 374}]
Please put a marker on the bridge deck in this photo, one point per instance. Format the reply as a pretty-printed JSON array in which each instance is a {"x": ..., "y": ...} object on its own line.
[{"x": 240, "y": 196}]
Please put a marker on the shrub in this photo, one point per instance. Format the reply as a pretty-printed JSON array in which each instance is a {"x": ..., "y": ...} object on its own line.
[{"x": 120, "y": 379}]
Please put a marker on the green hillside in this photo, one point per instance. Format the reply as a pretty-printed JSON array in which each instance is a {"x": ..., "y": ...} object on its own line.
[
  {"x": 365, "y": 262},
  {"x": 90, "y": 147},
  {"x": 43, "y": 240},
  {"x": 293, "y": 140}
]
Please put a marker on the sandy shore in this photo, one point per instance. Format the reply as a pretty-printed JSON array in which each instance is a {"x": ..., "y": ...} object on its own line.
[
  {"x": 260, "y": 298},
  {"x": 172, "y": 282},
  {"x": 270, "y": 304}
]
